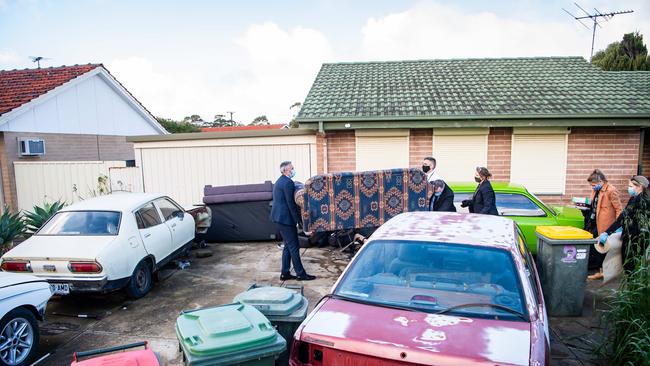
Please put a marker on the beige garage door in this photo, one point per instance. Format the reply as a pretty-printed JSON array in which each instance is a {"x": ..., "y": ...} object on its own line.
[
  {"x": 385, "y": 149},
  {"x": 458, "y": 152},
  {"x": 539, "y": 161}
]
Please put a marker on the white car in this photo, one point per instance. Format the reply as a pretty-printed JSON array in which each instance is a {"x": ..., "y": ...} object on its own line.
[
  {"x": 106, "y": 243},
  {"x": 22, "y": 302}
]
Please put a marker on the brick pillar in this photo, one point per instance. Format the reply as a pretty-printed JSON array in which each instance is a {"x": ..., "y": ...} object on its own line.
[
  {"x": 420, "y": 145},
  {"x": 341, "y": 151},
  {"x": 321, "y": 153},
  {"x": 499, "y": 153}
]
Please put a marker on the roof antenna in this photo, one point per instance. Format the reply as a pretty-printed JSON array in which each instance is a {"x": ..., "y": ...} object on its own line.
[
  {"x": 38, "y": 60},
  {"x": 594, "y": 17}
]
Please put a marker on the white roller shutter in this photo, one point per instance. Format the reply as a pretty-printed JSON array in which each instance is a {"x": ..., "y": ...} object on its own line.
[
  {"x": 457, "y": 156},
  {"x": 539, "y": 162},
  {"x": 375, "y": 151}
]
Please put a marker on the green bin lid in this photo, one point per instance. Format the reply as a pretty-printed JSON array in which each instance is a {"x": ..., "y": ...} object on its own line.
[
  {"x": 271, "y": 300},
  {"x": 224, "y": 329}
]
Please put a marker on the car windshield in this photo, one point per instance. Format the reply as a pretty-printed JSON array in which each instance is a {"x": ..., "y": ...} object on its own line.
[
  {"x": 83, "y": 223},
  {"x": 436, "y": 277},
  {"x": 508, "y": 204}
]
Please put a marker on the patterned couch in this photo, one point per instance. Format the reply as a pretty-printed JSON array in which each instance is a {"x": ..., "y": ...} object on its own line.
[{"x": 354, "y": 200}]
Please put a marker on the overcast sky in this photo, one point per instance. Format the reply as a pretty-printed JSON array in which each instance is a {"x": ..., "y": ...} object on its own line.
[{"x": 259, "y": 57}]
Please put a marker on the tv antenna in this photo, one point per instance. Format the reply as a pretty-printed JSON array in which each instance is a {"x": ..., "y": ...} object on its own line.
[
  {"x": 230, "y": 113},
  {"x": 594, "y": 18},
  {"x": 38, "y": 60}
]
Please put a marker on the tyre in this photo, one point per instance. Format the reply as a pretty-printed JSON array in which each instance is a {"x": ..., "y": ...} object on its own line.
[
  {"x": 141, "y": 281},
  {"x": 18, "y": 338}
]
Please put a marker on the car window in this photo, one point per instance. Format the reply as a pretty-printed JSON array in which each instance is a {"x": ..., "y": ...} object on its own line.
[
  {"x": 83, "y": 223},
  {"x": 430, "y": 276},
  {"x": 167, "y": 208},
  {"x": 148, "y": 216},
  {"x": 513, "y": 204},
  {"x": 530, "y": 268}
]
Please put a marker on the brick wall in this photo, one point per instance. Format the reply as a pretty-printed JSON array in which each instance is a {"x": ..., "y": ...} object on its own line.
[
  {"x": 499, "y": 153},
  {"x": 59, "y": 147},
  {"x": 615, "y": 151},
  {"x": 420, "y": 145},
  {"x": 341, "y": 151},
  {"x": 321, "y": 158},
  {"x": 645, "y": 158}
]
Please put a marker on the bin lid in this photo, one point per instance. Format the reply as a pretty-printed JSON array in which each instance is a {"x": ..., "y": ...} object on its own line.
[
  {"x": 226, "y": 329},
  {"x": 564, "y": 233},
  {"x": 272, "y": 300}
]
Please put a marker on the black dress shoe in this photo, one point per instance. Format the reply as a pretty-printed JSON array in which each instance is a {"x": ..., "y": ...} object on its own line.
[
  {"x": 286, "y": 277},
  {"x": 306, "y": 277}
]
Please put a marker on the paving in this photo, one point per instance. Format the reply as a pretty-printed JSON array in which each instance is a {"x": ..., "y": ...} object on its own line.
[{"x": 216, "y": 280}]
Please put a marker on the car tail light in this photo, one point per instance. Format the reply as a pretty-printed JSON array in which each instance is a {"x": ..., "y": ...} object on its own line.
[
  {"x": 84, "y": 267},
  {"x": 303, "y": 353},
  {"x": 16, "y": 266}
]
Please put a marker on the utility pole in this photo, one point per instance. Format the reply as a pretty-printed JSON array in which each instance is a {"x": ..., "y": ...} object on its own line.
[{"x": 594, "y": 18}]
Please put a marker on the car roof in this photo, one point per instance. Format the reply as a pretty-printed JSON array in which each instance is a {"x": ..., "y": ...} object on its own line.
[
  {"x": 450, "y": 227},
  {"x": 497, "y": 186},
  {"x": 121, "y": 201}
]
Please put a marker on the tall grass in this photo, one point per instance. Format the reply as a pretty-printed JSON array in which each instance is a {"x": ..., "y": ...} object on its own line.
[{"x": 628, "y": 316}]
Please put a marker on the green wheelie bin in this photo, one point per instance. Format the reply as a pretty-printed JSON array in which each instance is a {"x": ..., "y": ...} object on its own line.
[
  {"x": 562, "y": 258},
  {"x": 285, "y": 307},
  {"x": 233, "y": 334}
]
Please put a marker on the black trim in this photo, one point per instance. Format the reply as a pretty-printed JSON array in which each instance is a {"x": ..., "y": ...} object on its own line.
[
  {"x": 100, "y": 286},
  {"x": 174, "y": 255}
]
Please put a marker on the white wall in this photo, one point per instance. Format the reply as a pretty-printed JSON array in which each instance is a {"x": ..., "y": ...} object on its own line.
[{"x": 91, "y": 106}]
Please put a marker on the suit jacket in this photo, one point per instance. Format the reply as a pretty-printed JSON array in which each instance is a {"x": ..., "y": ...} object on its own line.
[
  {"x": 284, "y": 210},
  {"x": 484, "y": 200},
  {"x": 608, "y": 208},
  {"x": 443, "y": 203}
]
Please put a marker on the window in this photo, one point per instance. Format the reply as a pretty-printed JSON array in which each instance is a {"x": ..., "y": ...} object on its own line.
[
  {"x": 457, "y": 154},
  {"x": 148, "y": 216},
  {"x": 539, "y": 160},
  {"x": 83, "y": 223},
  {"x": 386, "y": 149},
  {"x": 530, "y": 268},
  {"x": 508, "y": 204},
  {"x": 430, "y": 276},
  {"x": 167, "y": 208}
]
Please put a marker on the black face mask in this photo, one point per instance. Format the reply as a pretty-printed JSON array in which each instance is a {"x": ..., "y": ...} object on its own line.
[
  {"x": 426, "y": 168},
  {"x": 477, "y": 179}
]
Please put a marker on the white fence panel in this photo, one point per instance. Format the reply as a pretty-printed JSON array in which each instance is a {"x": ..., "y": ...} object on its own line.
[
  {"x": 37, "y": 182},
  {"x": 128, "y": 179}
]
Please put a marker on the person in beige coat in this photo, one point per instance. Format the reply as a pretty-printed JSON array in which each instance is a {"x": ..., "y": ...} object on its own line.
[{"x": 605, "y": 208}]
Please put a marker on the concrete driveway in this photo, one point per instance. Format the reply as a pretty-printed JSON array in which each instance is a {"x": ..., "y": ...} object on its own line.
[{"x": 209, "y": 281}]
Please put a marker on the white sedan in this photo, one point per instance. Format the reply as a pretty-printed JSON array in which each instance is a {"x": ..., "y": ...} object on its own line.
[
  {"x": 106, "y": 243},
  {"x": 23, "y": 299}
]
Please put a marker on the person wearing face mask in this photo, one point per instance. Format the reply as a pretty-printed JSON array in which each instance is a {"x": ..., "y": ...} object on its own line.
[
  {"x": 633, "y": 223},
  {"x": 284, "y": 213},
  {"x": 605, "y": 207},
  {"x": 429, "y": 167},
  {"x": 484, "y": 200},
  {"x": 442, "y": 199}
]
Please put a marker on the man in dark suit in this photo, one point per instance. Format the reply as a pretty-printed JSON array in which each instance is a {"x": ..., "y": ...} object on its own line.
[
  {"x": 443, "y": 198},
  {"x": 284, "y": 213}
]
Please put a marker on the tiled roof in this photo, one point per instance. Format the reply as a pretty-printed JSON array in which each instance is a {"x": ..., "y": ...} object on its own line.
[
  {"x": 243, "y": 128},
  {"x": 18, "y": 87},
  {"x": 472, "y": 88},
  {"x": 637, "y": 80}
]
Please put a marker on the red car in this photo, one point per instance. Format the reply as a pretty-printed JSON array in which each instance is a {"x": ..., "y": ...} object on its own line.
[{"x": 432, "y": 288}]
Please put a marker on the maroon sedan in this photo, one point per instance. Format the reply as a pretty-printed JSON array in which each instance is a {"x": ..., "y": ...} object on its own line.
[{"x": 432, "y": 289}]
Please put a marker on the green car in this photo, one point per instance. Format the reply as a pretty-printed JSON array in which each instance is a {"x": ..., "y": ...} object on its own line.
[{"x": 523, "y": 207}]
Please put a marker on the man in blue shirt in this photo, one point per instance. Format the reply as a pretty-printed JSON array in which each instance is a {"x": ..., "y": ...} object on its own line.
[{"x": 284, "y": 213}]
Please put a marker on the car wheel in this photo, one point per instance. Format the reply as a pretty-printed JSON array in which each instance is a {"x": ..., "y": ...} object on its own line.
[
  {"x": 18, "y": 337},
  {"x": 140, "y": 282}
]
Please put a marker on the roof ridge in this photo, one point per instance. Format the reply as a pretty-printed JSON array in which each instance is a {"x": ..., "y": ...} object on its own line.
[
  {"x": 460, "y": 59},
  {"x": 95, "y": 65}
]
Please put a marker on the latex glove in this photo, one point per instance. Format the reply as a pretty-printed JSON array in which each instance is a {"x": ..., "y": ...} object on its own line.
[
  {"x": 603, "y": 238},
  {"x": 619, "y": 230}
]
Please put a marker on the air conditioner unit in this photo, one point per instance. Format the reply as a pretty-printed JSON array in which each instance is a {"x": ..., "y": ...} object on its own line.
[{"x": 31, "y": 147}]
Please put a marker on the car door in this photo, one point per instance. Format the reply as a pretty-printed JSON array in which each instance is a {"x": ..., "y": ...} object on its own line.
[
  {"x": 156, "y": 236},
  {"x": 174, "y": 217},
  {"x": 527, "y": 213}
]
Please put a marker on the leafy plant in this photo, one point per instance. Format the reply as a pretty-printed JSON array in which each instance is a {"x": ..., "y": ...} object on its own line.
[
  {"x": 628, "y": 316},
  {"x": 103, "y": 188},
  {"x": 11, "y": 226},
  {"x": 35, "y": 219}
]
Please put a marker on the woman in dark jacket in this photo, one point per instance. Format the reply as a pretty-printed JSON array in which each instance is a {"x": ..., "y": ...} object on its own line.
[
  {"x": 634, "y": 222},
  {"x": 483, "y": 201}
]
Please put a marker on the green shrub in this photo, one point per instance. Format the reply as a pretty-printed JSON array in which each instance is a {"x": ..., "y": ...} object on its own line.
[
  {"x": 35, "y": 219},
  {"x": 11, "y": 226}
]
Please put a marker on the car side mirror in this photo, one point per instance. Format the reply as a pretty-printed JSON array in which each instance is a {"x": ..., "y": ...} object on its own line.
[{"x": 179, "y": 214}]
